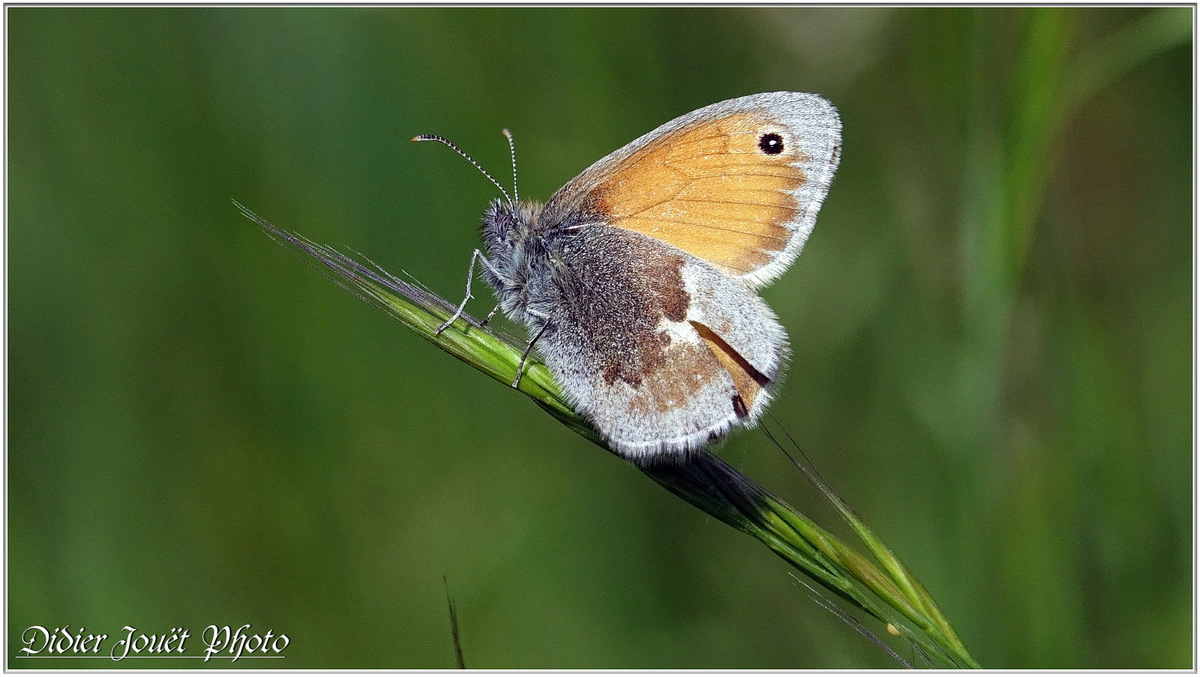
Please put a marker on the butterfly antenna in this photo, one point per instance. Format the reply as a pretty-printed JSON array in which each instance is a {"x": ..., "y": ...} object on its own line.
[
  {"x": 512, "y": 151},
  {"x": 456, "y": 149}
]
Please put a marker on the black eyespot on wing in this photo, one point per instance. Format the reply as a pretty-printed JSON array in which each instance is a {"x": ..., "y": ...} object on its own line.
[{"x": 771, "y": 144}]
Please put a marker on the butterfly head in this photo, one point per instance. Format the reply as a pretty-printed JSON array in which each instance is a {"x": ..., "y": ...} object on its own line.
[{"x": 509, "y": 227}]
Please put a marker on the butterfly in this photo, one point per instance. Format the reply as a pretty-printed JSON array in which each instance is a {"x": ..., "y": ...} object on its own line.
[{"x": 637, "y": 278}]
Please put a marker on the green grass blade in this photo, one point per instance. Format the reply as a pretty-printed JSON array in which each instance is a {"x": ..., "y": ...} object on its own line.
[
  {"x": 905, "y": 583},
  {"x": 705, "y": 481}
]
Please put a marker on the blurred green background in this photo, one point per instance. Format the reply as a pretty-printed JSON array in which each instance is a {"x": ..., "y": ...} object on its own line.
[{"x": 991, "y": 330}]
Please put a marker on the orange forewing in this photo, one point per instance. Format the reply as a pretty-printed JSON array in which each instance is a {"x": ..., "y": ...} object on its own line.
[{"x": 709, "y": 190}]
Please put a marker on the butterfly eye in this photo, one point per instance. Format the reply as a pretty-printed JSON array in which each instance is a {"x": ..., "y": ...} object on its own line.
[
  {"x": 498, "y": 224},
  {"x": 771, "y": 144}
]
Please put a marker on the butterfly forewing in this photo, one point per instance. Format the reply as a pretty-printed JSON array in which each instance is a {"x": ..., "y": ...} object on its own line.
[{"x": 737, "y": 184}]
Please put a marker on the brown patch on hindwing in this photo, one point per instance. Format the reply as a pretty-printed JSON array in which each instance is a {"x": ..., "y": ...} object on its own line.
[
  {"x": 674, "y": 388},
  {"x": 645, "y": 286},
  {"x": 630, "y": 293}
]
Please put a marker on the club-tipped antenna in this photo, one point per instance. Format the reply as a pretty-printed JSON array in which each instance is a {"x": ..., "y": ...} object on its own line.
[
  {"x": 512, "y": 152},
  {"x": 468, "y": 158}
]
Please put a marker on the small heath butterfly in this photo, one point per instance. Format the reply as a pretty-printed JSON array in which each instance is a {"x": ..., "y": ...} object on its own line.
[{"x": 636, "y": 279}]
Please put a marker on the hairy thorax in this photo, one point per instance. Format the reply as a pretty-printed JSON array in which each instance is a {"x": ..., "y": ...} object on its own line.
[{"x": 526, "y": 249}]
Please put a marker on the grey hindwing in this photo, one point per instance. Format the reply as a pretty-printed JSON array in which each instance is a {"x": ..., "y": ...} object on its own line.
[{"x": 621, "y": 343}]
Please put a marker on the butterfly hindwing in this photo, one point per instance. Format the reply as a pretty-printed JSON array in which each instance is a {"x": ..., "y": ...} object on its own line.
[{"x": 659, "y": 349}]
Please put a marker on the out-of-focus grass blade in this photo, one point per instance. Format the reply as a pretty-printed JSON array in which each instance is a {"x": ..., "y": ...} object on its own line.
[{"x": 904, "y": 581}]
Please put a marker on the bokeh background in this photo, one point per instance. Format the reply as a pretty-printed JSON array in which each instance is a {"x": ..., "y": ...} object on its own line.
[{"x": 991, "y": 330}]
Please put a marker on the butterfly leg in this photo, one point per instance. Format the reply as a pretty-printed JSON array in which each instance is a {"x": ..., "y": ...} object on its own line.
[
  {"x": 475, "y": 256},
  {"x": 528, "y": 347},
  {"x": 490, "y": 316}
]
